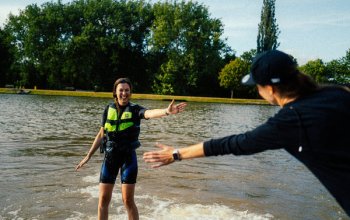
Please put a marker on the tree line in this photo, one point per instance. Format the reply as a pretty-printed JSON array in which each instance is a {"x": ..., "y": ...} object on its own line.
[
  {"x": 164, "y": 48},
  {"x": 333, "y": 72}
]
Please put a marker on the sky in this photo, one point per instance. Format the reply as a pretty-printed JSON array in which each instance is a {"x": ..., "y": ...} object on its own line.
[{"x": 309, "y": 29}]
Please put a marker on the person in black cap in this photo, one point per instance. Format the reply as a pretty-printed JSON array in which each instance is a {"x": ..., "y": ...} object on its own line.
[{"x": 312, "y": 125}]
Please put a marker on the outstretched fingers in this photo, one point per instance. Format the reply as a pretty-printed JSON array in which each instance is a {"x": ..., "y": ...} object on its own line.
[
  {"x": 174, "y": 109},
  {"x": 161, "y": 157},
  {"x": 151, "y": 157},
  {"x": 155, "y": 156},
  {"x": 171, "y": 106},
  {"x": 172, "y": 102},
  {"x": 181, "y": 106}
]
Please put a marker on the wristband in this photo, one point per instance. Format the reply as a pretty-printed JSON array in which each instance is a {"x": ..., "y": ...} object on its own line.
[{"x": 176, "y": 155}]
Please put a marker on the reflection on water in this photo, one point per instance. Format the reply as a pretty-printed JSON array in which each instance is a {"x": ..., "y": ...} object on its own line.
[{"x": 44, "y": 137}]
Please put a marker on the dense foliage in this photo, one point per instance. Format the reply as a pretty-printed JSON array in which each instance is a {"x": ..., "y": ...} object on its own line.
[
  {"x": 169, "y": 47},
  {"x": 166, "y": 48},
  {"x": 5, "y": 59},
  {"x": 333, "y": 72},
  {"x": 231, "y": 75}
]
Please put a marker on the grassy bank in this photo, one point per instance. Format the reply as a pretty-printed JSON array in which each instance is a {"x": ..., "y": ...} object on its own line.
[{"x": 136, "y": 96}]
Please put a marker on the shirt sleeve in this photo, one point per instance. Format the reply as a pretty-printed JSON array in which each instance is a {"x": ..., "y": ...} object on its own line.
[
  {"x": 280, "y": 131},
  {"x": 104, "y": 116},
  {"x": 141, "y": 111}
]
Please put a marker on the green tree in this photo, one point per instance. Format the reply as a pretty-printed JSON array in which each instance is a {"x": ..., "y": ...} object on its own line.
[
  {"x": 167, "y": 79},
  {"x": 346, "y": 75},
  {"x": 36, "y": 33},
  {"x": 187, "y": 41},
  {"x": 231, "y": 75},
  {"x": 339, "y": 70},
  {"x": 268, "y": 29},
  {"x": 81, "y": 44},
  {"x": 316, "y": 69},
  {"x": 87, "y": 43},
  {"x": 248, "y": 56},
  {"x": 6, "y": 59},
  {"x": 108, "y": 42}
]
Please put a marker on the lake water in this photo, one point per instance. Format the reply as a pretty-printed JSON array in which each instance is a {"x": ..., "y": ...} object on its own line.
[{"x": 44, "y": 137}]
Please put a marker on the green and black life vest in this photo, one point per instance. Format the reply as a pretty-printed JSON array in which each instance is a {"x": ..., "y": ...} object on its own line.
[{"x": 124, "y": 128}]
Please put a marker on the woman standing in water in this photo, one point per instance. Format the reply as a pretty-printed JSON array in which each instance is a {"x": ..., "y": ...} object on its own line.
[{"x": 121, "y": 128}]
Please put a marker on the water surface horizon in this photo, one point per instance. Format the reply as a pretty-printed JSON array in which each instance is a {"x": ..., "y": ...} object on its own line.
[{"x": 44, "y": 137}]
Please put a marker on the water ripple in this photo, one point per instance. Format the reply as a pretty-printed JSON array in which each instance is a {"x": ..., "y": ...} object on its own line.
[{"x": 44, "y": 137}]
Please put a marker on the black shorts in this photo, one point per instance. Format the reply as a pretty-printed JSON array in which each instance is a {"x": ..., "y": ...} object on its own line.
[{"x": 126, "y": 162}]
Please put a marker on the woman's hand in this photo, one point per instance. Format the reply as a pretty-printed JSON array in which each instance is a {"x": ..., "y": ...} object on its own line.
[
  {"x": 161, "y": 157},
  {"x": 83, "y": 162},
  {"x": 95, "y": 145},
  {"x": 174, "y": 109}
]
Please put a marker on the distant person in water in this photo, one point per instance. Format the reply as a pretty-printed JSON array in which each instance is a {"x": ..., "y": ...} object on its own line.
[
  {"x": 312, "y": 125},
  {"x": 121, "y": 128}
]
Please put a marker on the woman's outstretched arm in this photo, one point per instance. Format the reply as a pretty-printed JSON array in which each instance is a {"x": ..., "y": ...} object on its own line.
[{"x": 165, "y": 155}]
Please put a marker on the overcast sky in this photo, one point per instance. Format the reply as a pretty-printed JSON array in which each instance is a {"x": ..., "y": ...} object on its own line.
[{"x": 310, "y": 29}]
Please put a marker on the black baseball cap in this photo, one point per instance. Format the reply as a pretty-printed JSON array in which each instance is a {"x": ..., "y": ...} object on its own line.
[{"x": 271, "y": 68}]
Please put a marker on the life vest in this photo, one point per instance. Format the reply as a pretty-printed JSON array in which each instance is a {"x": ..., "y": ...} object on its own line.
[{"x": 124, "y": 128}]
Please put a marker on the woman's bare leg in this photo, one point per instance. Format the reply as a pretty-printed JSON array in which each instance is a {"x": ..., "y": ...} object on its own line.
[
  {"x": 128, "y": 191},
  {"x": 105, "y": 195}
]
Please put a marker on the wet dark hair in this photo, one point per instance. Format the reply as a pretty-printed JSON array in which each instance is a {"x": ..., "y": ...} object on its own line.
[
  {"x": 117, "y": 82},
  {"x": 297, "y": 86}
]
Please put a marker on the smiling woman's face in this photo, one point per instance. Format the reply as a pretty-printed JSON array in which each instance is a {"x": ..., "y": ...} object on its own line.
[{"x": 123, "y": 93}]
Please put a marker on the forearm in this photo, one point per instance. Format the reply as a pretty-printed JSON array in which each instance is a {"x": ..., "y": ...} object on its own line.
[
  {"x": 170, "y": 110},
  {"x": 193, "y": 151},
  {"x": 165, "y": 155},
  {"x": 97, "y": 142},
  {"x": 94, "y": 147},
  {"x": 156, "y": 113}
]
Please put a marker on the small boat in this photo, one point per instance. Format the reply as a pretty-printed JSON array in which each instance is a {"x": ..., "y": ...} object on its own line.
[{"x": 23, "y": 92}]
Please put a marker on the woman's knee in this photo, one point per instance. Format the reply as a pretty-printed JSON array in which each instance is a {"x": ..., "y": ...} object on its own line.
[
  {"x": 105, "y": 195},
  {"x": 128, "y": 201},
  {"x": 104, "y": 200},
  {"x": 128, "y": 191}
]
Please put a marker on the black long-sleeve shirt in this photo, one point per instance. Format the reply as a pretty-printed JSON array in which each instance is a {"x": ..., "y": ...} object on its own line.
[{"x": 314, "y": 129}]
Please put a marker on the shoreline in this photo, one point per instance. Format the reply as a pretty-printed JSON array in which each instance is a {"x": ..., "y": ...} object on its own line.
[{"x": 134, "y": 96}]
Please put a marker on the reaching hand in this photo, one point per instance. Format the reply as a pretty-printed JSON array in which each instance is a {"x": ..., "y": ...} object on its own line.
[
  {"x": 161, "y": 157},
  {"x": 174, "y": 109},
  {"x": 82, "y": 163}
]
